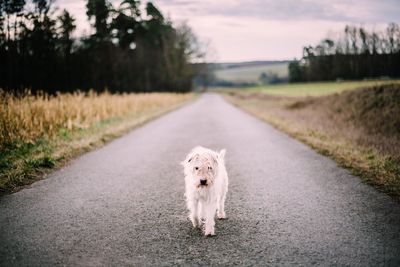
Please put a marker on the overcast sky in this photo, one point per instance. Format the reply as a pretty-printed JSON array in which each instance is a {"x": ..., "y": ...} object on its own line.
[{"x": 239, "y": 30}]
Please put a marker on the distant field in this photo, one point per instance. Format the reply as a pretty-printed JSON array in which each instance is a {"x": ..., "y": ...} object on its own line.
[
  {"x": 251, "y": 74},
  {"x": 317, "y": 89}
]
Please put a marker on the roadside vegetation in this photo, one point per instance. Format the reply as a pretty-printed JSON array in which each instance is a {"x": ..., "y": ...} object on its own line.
[
  {"x": 40, "y": 132},
  {"x": 355, "y": 54},
  {"x": 131, "y": 47},
  {"x": 359, "y": 129}
]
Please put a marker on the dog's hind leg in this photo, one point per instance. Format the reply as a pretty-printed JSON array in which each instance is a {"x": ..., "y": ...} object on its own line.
[{"x": 193, "y": 212}]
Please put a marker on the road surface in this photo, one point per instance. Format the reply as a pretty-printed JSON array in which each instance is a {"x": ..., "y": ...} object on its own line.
[{"x": 123, "y": 204}]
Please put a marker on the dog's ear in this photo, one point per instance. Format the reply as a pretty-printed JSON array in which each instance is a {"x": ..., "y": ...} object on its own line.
[
  {"x": 221, "y": 154},
  {"x": 191, "y": 157}
]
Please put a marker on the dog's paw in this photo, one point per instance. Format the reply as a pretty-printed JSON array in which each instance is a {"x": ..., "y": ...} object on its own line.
[
  {"x": 210, "y": 233},
  {"x": 221, "y": 215},
  {"x": 195, "y": 224}
]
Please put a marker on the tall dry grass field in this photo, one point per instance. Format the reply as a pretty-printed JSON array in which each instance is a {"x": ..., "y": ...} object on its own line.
[
  {"x": 28, "y": 117},
  {"x": 38, "y": 132}
]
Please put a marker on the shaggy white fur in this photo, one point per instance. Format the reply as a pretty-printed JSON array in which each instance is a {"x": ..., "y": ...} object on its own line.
[{"x": 206, "y": 183}]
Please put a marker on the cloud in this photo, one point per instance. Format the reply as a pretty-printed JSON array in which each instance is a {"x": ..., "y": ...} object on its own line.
[{"x": 356, "y": 11}]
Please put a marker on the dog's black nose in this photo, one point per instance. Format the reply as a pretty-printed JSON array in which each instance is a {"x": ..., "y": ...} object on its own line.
[{"x": 203, "y": 181}]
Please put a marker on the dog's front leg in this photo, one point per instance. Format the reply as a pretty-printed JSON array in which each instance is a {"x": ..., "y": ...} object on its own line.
[
  {"x": 210, "y": 223},
  {"x": 193, "y": 211},
  {"x": 202, "y": 212}
]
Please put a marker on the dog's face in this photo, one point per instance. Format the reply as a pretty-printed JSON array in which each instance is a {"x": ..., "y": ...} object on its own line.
[{"x": 203, "y": 169}]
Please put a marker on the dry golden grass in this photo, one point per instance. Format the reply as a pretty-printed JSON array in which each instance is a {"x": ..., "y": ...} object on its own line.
[
  {"x": 40, "y": 132},
  {"x": 26, "y": 118}
]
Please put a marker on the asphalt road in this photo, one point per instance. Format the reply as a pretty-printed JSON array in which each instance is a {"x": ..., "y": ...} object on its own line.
[{"x": 123, "y": 204}]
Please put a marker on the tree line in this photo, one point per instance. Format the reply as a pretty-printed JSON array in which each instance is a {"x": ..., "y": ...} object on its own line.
[
  {"x": 132, "y": 47},
  {"x": 356, "y": 54}
]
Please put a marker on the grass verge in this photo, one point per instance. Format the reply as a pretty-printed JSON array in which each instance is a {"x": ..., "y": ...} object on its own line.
[
  {"x": 317, "y": 88},
  {"x": 27, "y": 153},
  {"x": 359, "y": 129}
]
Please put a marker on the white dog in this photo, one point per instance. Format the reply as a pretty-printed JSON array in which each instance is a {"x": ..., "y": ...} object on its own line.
[{"x": 206, "y": 183}]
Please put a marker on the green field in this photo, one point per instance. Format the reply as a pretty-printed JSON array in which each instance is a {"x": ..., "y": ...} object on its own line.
[
  {"x": 251, "y": 74},
  {"x": 316, "y": 88}
]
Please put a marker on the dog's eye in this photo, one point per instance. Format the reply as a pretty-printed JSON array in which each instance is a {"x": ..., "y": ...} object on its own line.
[
  {"x": 210, "y": 168},
  {"x": 196, "y": 168}
]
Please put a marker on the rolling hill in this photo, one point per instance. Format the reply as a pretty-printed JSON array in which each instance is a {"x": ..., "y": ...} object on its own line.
[{"x": 250, "y": 72}]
